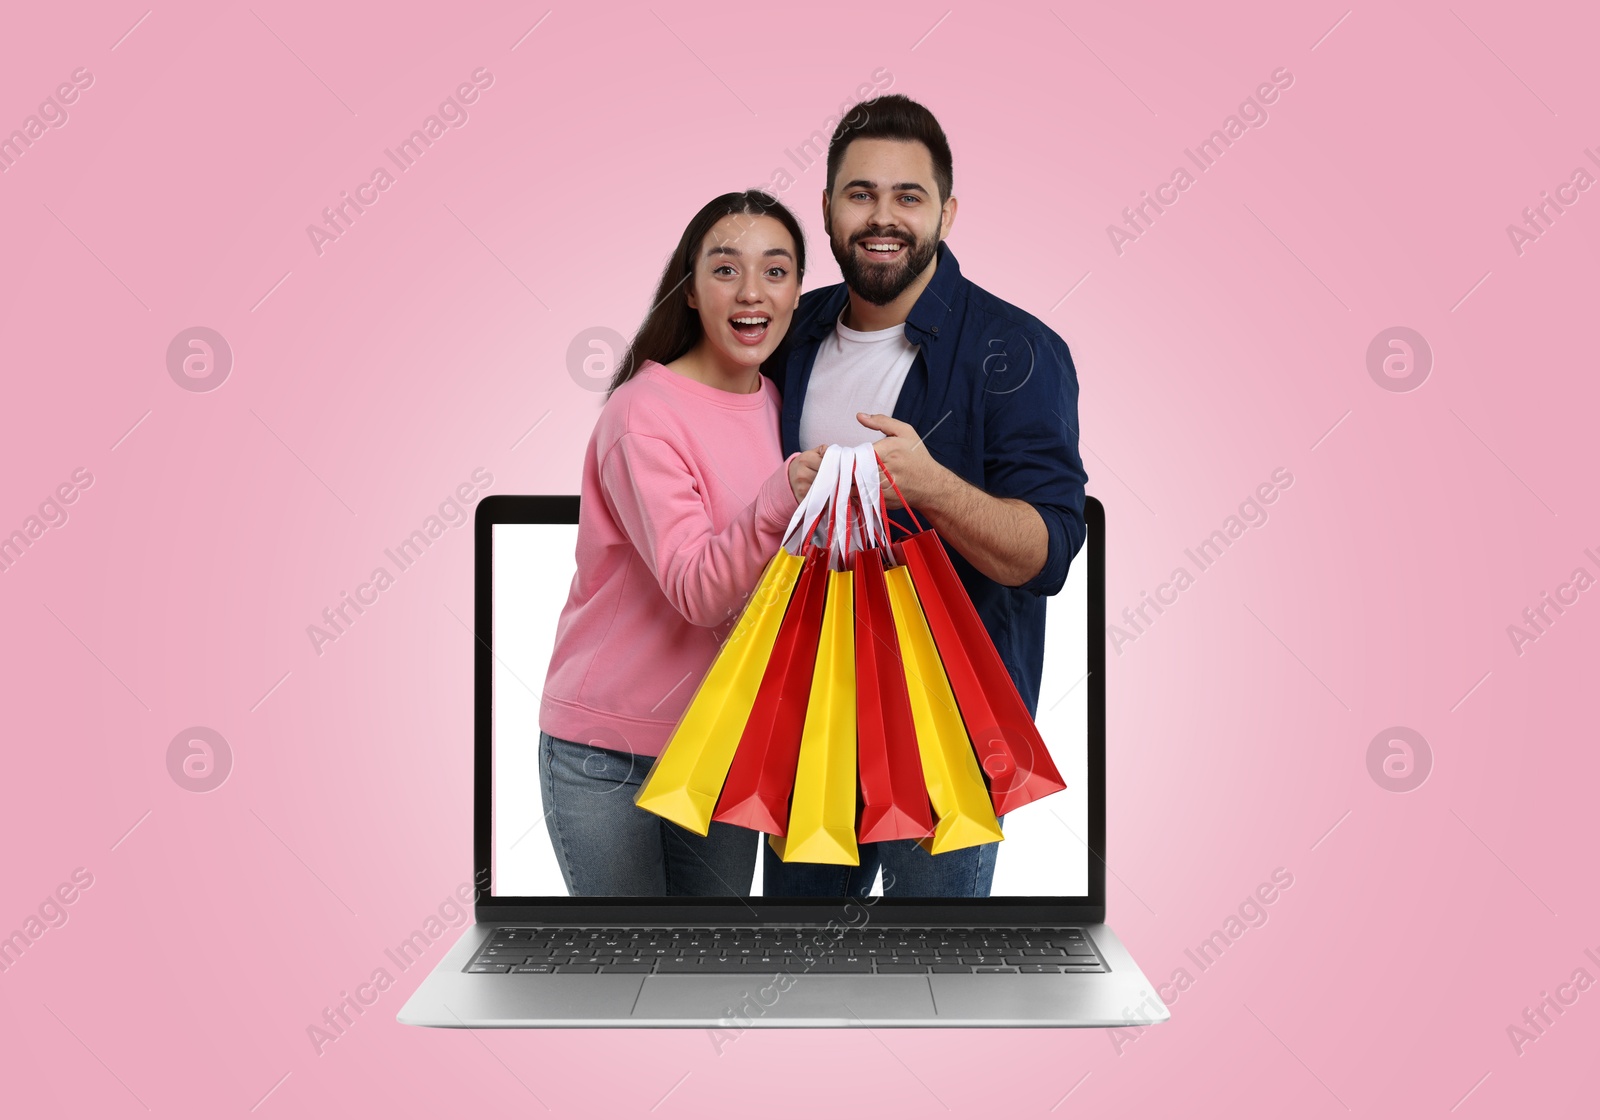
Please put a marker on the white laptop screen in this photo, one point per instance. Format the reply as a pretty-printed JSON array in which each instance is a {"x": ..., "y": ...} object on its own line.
[{"x": 1044, "y": 852}]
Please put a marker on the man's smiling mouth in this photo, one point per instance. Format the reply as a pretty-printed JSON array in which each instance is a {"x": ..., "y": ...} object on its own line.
[{"x": 881, "y": 248}]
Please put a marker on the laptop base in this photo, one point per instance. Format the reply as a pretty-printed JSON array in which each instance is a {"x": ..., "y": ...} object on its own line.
[{"x": 452, "y": 997}]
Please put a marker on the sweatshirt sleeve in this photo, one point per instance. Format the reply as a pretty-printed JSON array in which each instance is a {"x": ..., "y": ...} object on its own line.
[{"x": 656, "y": 498}]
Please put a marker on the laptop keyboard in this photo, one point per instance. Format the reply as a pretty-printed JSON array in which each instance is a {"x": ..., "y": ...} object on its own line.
[{"x": 720, "y": 950}]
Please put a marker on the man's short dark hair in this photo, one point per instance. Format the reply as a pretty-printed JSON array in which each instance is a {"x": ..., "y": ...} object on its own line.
[{"x": 893, "y": 117}]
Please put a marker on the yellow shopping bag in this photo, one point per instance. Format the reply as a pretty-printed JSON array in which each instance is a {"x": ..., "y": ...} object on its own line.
[
  {"x": 687, "y": 777},
  {"x": 949, "y": 765},
  {"x": 822, "y": 813}
]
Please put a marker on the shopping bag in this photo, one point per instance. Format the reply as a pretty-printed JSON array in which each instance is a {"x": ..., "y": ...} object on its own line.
[
  {"x": 965, "y": 814},
  {"x": 894, "y": 795},
  {"x": 761, "y": 778},
  {"x": 822, "y": 811},
  {"x": 1008, "y": 744},
  {"x": 756, "y": 794},
  {"x": 686, "y": 778}
]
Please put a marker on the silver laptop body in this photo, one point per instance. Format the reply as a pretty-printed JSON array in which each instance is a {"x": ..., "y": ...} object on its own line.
[{"x": 1097, "y": 985}]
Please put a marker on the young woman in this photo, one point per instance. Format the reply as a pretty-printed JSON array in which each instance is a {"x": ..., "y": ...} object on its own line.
[{"x": 686, "y": 495}]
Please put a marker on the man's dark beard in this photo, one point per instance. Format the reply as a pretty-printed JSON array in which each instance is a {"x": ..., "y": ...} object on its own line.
[{"x": 881, "y": 284}]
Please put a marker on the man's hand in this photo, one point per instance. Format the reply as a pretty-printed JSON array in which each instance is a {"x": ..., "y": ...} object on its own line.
[
  {"x": 905, "y": 457},
  {"x": 1004, "y": 538}
]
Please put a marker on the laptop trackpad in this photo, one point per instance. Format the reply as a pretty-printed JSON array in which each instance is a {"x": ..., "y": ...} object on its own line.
[{"x": 771, "y": 999}]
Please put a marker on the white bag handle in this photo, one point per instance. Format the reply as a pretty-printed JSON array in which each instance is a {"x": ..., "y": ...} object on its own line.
[
  {"x": 875, "y": 531},
  {"x": 817, "y": 498},
  {"x": 841, "y": 506},
  {"x": 842, "y": 468}
]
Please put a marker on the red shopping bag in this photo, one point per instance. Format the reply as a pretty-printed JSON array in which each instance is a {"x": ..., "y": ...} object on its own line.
[
  {"x": 1009, "y": 747},
  {"x": 894, "y": 796},
  {"x": 756, "y": 794}
]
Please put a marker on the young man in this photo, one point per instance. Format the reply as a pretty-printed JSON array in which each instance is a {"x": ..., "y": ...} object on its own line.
[{"x": 974, "y": 407}]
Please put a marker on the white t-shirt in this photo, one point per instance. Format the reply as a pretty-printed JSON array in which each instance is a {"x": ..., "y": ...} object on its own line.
[{"x": 855, "y": 371}]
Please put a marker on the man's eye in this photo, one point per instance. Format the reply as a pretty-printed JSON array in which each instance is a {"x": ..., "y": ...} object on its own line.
[
  {"x": 860, "y": 194},
  {"x": 909, "y": 198}
]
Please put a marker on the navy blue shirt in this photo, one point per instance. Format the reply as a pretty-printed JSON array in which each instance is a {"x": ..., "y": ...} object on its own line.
[{"x": 994, "y": 396}]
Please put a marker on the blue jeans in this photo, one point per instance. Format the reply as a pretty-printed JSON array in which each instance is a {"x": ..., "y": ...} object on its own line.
[
  {"x": 908, "y": 872},
  {"x": 605, "y": 844}
]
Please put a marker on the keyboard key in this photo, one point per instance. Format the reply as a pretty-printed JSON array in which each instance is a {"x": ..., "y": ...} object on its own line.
[
  {"x": 682, "y": 964},
  {"x": 641, "y": 966},
  {"x": 895, "y": 969},
  {"x": 1081, "y": 968},
  {"x": 967, "y": 968},
  {"x": 577, "y": 968},
  {"x": 545, "y": 968},
  {"x": 489, "y": 968},
  {"x": 994, "y": 968},
  {"x": 1041, "y": 968}
]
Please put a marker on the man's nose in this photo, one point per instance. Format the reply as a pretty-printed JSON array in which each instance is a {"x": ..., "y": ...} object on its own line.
[{"x": 883, "y": 212}]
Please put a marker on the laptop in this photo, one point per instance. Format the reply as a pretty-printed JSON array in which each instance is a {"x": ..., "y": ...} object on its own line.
[{"x": 1036, "y": 952}]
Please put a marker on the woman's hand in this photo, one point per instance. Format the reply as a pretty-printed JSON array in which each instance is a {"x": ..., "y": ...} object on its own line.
[{"x": 803, "y": 471}]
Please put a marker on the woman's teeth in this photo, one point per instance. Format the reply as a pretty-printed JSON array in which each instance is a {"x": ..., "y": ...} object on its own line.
[{"x": 749, "y": 326}]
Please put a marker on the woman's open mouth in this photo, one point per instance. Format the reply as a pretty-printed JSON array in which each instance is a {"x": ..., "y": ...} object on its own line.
[{"x": 750, "y": 329}]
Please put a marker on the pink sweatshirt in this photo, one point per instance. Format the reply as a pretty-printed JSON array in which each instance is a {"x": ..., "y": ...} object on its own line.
[{"x": 685, "y": 498}]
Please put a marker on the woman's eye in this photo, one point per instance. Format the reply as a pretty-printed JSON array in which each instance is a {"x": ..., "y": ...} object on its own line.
[
  {"x": 777, "y": 272},
  {"x": 721, "y": 268}
]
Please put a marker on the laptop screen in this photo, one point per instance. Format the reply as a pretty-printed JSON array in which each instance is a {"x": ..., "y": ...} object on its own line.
[{"x": 1044, "y": 853}]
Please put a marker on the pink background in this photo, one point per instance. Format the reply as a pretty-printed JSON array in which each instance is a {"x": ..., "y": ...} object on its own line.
[{"x": 370, "y": 381}]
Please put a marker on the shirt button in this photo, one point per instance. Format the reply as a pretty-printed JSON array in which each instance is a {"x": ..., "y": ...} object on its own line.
[{"x": 934, "y": 330}]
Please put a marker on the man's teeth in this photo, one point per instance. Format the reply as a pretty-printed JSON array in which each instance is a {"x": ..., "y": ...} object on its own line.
[{"x": 881, "y": 246}]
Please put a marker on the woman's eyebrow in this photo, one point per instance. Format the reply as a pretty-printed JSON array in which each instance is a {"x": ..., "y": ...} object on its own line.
[{"x": 730, "y": 251}]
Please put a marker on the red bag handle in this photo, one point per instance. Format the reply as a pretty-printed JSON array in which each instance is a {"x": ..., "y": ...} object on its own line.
[
  {"x": 905, "y": 504},
  {"x": 833, "y": 516},
  {"x": 857, "y": 504}
]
